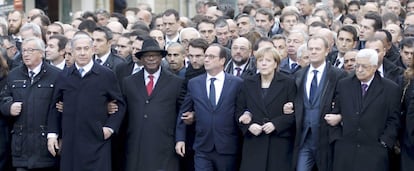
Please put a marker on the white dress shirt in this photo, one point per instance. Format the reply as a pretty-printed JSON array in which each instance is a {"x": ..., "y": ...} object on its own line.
[
  {"x": 241, "y": 68},
  {"x": 218, "y": 84},
  {"x": 36, "y": 70},
  {"x": 310, "y": 76},
  {"x": 155, "y": 79},
  {"x": 85, "y": 68},
  {"x": 103, "y": 58}
]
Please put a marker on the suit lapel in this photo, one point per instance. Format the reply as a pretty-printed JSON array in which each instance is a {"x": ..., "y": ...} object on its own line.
[
  {"x": 202, "y": 86},
  {"x": 161, "y": 83},
  {"x": 255, "y": 87},
  {"x": 274, "y": 89},
  {"x": 140, "y": 83},
  {"x": 226, "y": 86},
  {"x": 374, "y": 90}
]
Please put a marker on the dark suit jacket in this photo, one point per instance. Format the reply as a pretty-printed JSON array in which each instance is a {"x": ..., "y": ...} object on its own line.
[
  {"x": 80, "y": 125},
  {"x": 151, "y": 122},
  {"x": 112, "y": 61},
  {"x": 285, "y": 67},
  {"x": 267, "y": 151},
  {"x": 124, "y": 70},
  {"x": 248, "y": 71},
  {"x": 392, "y": 71},
  {"x": 333, "y": 75},
  {"x": 216, "y": 128},
  {"x": 332, "y": 56},
  {"x": 366, "y": 122}
]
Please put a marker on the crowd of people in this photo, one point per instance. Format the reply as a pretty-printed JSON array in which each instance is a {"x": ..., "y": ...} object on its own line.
[{"x": 267, "y": 86}]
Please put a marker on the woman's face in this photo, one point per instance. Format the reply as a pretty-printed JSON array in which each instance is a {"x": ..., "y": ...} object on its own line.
[{"x": 266, "y": 64}]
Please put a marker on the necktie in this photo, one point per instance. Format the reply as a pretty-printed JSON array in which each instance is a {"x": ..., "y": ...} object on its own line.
[
  {"x": 362, "y": 46},
  {"x": 314, "y": 86},
  {"x": 364, "y": 88},
  {"x": 238, "y": 71},
  {"x": 212, "y": 94},
  {"x": 32, "y": 75},
  {"x": 150, "y": 85},
  {"x": 293, "y": 66},
  {"x": 81, "y": 70},
  {"x": 99, "y": 61},
  {"x": 337, "y": 63}
]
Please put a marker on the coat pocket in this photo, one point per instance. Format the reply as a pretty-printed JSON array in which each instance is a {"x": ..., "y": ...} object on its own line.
[{"x": 17, "y": 140}]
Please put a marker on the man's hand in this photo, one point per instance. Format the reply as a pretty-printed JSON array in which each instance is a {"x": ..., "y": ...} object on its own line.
[
  {"x": 288, "y": 108},
  {"x": 107, "y": 132},
  {"x": 59, "y": 106},
  {"x": 268, "y": 127},
  {"x": 52, "y": 146},
  {"x": 16, "y": 108},
  {"x": 180, "y": 148},
  {"x": 255, "y": 129},
  {"x": 333, "y": 119},
  {"x": 188, "y": 118},
  {"x": 112, "y": 107},
  {"x": 246, "y": 118}
]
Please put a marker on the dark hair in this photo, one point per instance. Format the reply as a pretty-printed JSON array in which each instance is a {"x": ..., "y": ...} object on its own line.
[
  {"x": 139, "y": 32},
  {"x": 340, "y": 5},
  {"x": 407, "y": 42},
  {"x": 350, "y": 29},
  {"x": 390, "y": 16},
  {"x": 106, "y": 31},
  {"x": 103, "y": 12},
  {"x": 354, "y": 2},
  {"x": 87, "y": 25},
  {"x": 222, "y": 52},
  {"x": 248, "y": 8},
  {"x": 352, "y": 17},
  {"x": 140, "y": 25},
  {"x": 153, "y": 25},
  {"x": 44, "y": 19},
  {"x": 205, "y": 21},
  {"x": 226, "y": 9},
  {"x": 267, "y": 12},
  {"x": 88, "y": 14},
  {"x": 174, "y": 12},
  {"x": 377, "y": 20},
  {"x": 199, "y": 43},
  {"x": 121, "y": 19},
  {"x": 62, "y": 40},
  {"x": 289, "y": 13},
  {"x": 62, "y": 31},
  {"x": 260, "y": 40},
  {"x": 318, "y": 24}
]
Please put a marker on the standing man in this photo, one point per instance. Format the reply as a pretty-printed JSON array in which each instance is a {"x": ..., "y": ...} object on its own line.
[
  {"x": 55, "y": 51},
  {"x": 13, "y": 53},
  {"x": 26, "y": 99},
  {"x": 368, "y": 108},
  {"x": 294, "y": 40},
  {"x": 84, "y": 126},
  {"x": 171, "y": 20},
  {"x": 316, "y": 86},
  {"x": 241, "y": 63},
  {"x": 153, "y": 98},
  {"x": 176, "y": 59},
  {"x": 212, "y": 96},
  {"x": 15, "y": 21},
  {"x": 102, "y": 38},
  {"x": 369, "y": 25},
  {"x": 346, "y": 40}
]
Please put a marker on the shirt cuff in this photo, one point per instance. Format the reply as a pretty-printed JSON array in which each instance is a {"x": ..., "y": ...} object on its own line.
[
  {"x": 110, "y": 129},
  {"x": 52, "y": 135}
]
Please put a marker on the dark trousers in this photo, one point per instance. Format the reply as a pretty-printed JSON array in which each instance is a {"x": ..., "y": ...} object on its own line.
[
  {"x": 213, "y": 161},
  {"x": 307, "y": 153}
]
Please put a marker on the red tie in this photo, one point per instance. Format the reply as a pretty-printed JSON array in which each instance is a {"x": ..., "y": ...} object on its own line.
[{"x": 150, "y": 84}]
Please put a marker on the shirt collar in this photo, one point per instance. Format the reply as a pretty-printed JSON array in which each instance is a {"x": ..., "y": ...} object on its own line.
[
  {"x": 61, "y": 65},
  {"x": 219, "y": 76},
  {"x": 36, "y": 70},
  {"x": 104, "y": 57},
  {"x": 87, "y": 67},
  {"x": 319, "y": 69},
  {"x": 156, "y": 74},
  {"x": 175, "y": 39}
]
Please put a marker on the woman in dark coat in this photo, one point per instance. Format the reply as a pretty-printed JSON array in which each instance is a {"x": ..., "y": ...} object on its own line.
[
  {"x": 5, "y": 123},
  {"x": 268, "y": 132}
]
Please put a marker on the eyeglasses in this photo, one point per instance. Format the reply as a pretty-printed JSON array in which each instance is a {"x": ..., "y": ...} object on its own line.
[
  {"x": 8, "y": 48},
  {"x": 29, "y": 51},
  {"x": 211, "y": 56}
]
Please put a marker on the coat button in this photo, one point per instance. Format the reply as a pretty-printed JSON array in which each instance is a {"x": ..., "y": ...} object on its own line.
[
  {"x": 359, "y": 129},
  {"x": 357, "y": 113},
  {"x": 358, "y": 145},
  {"x": 146, "y": 101},
  {"x": 145, "y": 116}
]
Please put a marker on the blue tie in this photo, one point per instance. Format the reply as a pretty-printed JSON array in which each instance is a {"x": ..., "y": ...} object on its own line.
[
  {"x": 212, "y": 94},
  {"x": 293, "y": 66},
  {"x": 314, "y": 86},
  {"x": 81, "y": 70},
  {"x": 31, "y": 74}
]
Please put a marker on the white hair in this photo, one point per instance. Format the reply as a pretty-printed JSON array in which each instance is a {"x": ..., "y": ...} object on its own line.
[
  {"x": 371, "y": 54},
  {"x": 189, "y": 29},
  {"x": 301, "y": 49}
]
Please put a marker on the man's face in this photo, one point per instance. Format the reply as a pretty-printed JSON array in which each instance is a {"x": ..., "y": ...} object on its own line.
[
  {"x": 288, "y": 22},
  {"x": 345, "y": 42},
  {"x": 52, "y": 30},
  {"x": 379, "y": 47},
  {"x": 409, "y": 20},
  {"x": 10, "y": 48},
  {"x": 367, "y": 29},
  {"x": 280, "y": 45},
  {"x": 32, "y": 55},
  {"x": 317, "y": 51},
  {"x": 364, "y": 70},
  {"x": 349, "y": 61},
  {"x": 171, "y": 25},
  {"x": 102, "y": 19},
  {"x": 159, "y": 24},
  {"x": 233, "y": 29},
  {"x": 407, "y": 54},
  {"x": 15, "y": 22},
  {"x": 82, "y": 51},
  {"x": 207, "y": 31},
  {"x": 353, "y": 9},
  {"x": 196, "y": 56},
  {"x": 263, "y": 21},
  {"x": 159, "y": 37},
  {"x": 212, "y": 62},
  {"x": 136, "y": 46},
  {"x": 293, "y": 41},
  {"x": 69, "y": 59},
  {"x": 223, "y": 35},
  {"x": 395, "y": 31},
  {"x": 394, "y": 7},
  {"x": 123, "y": 47},
  {"x": 151, "y": 61},
  {"x": 410, "y": 7},
  {"x": 52, "y": 50},
  {"x": 175, "y": 58},
  {"x": 240, "y": 51},
  {"x": 244, "y": 25},
  {"x": 100, "y": 44},
  {"x": 324, "y": 16},
  {"x": 241, "y": 4},
  {"x": 305, "y": 8},
  {"x": 186, "y": 37}
]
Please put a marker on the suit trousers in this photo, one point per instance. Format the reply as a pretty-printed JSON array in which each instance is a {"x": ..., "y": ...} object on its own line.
[
  {"x": 214, "y": 161},
  {"x": 307, "y": 153}
]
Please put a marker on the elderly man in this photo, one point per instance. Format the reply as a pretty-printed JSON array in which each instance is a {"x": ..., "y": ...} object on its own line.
[
  {"x": 26, "y": 99},
  {"x": 84, "y": 126},
  {"x": 366, "y": 117}
]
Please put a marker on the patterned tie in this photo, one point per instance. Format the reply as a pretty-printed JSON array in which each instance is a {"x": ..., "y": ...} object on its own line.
[
  {"x": 293, "y": 66},
  {"x": 364, "y": 88},
  {"x": 150, "y": 85},
  {"x": 32, "y": 75},
  {"x": 99, "y": 61},
  {"x": 337, "y": 62},
  {"x": 212, "y": 94},
  {"x": 81, "y": 71},
  {"x": 314, "y": 86},
  {"x": 238, "y": 71}
]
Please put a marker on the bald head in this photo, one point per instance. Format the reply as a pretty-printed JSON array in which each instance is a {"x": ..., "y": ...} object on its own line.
[{"x": 145, "y": 16}]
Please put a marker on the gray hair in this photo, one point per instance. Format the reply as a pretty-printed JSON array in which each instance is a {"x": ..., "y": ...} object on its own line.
[
  {"x": 189, "y": 29},
  {"x": 81, "y": 36},
  {"x": 34, "y": 27},
  {"x": 304, "y": 35},
  {"x": 300, "y": 50},
  {"x": 371, "y": 54},
  {"x": 39, "y": 43}
]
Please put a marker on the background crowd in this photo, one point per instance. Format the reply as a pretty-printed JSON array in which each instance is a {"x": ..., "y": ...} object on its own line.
[{"x": 263, "y": 86}]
